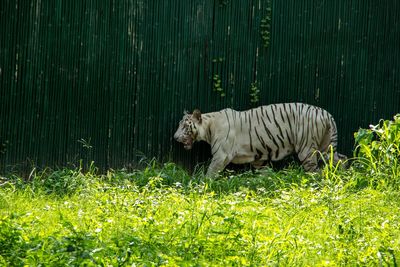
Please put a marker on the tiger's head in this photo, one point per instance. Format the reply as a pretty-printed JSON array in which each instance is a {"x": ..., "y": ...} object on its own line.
[{"x": 188, "y": 129}]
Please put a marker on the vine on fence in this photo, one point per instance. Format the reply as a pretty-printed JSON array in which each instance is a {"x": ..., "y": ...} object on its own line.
[
  {"x": 254, "y": 93},
  {"x": 217, "y": 82},
  {"x": 217, "y": 85},
  {"x": 223, "y": 3},
  {"x": 266, "y": 25}
]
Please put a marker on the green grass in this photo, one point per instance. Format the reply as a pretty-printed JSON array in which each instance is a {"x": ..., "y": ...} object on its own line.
[{"x": 161, "y": 216}]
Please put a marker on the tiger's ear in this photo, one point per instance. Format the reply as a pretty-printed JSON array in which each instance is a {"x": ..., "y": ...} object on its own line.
[{"x": 197, "y": 115}]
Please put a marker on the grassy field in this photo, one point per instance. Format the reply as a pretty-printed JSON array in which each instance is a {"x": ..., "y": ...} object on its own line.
[{"x": 161, "y": 216}]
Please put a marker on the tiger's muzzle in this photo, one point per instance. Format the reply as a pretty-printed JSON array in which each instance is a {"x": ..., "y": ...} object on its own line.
[{"x": 187, "y": 141}]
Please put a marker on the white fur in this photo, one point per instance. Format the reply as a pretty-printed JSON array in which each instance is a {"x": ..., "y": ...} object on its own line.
[{"x": 263, "y": 134}]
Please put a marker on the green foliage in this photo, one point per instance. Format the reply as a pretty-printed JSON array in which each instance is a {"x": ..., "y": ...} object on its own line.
[
  {"x": 162, "y": 216},
  {"x": 266, "y": 25},
  {"x": 167, "y": 174},
  {"x": 61, "y": 182},
  {"x": 223, "y": 3},
  {"x": 3, "y": 147},
  {"x": 378, "y": 149},
  {"x": 254, "y": 93},
  {"x": 217, "y": 85},
  {"x": 12, "y": 245}
]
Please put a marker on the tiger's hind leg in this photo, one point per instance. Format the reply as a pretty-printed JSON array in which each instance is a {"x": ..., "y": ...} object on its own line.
[
  {"x": 309, "y": 159},
  {"x": 336, "y": 159}
]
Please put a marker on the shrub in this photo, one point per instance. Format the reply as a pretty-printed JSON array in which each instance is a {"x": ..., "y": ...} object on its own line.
[
  {"x": 12, "y": 243},
  {"x": 378, "y": 149}
]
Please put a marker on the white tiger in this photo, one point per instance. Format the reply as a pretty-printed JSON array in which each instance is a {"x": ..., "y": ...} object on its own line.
[{"x": 266, "y": 133}]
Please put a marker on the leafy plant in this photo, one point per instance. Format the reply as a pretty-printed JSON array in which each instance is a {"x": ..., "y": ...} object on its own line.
[
  {"x": 3, "y": 147},
  {"x": 11, "y": 240},
  {"x": 87, "y": 150},
  {"x": 217, "y": 85},
  {"x": 77, "y": 247},
  {"x": 223, "y": 3},
  {"x": 85, "y": 143},
  {"x": 254, "y": 93},
  {"x": 266, "y": 25},
  {"x": 378, "y": 148}
]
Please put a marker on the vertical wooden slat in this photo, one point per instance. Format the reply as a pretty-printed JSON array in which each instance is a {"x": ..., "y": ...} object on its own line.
[{"x": 120, "y": 73}]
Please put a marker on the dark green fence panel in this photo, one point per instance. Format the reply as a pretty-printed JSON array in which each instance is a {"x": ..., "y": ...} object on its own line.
[{"x": 109, "y": 80}]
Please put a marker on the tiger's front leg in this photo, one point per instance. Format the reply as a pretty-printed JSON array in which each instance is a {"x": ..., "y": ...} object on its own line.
[
  {"x": 218, "y": 163},
  {"x": 258, "y": 164}
]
